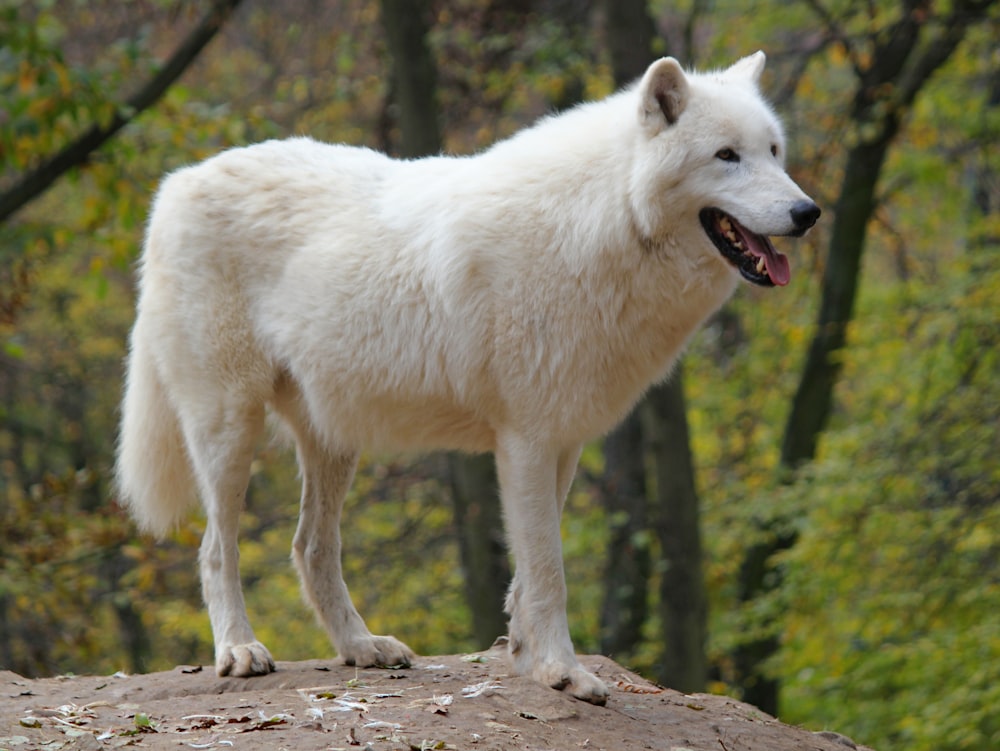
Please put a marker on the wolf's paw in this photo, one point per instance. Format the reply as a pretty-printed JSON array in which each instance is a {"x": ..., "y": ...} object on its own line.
[
  {"x": 243, "y": 660},
  {"x": 573, "y": 679},
  {"x": 378, "y": 651}
]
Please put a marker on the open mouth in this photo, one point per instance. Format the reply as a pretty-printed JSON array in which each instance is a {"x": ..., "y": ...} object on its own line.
[{"x": 753, "y": 255}]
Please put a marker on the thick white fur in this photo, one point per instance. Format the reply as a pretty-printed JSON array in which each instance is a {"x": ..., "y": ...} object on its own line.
[{"x": 518, "y": 301}]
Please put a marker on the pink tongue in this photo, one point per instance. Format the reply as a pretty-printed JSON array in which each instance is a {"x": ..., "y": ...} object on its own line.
[
  {"x": 776, "y": 263},
  {"x": 777, "y": 267}
]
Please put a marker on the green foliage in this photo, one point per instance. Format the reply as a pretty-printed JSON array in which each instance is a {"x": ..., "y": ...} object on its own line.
[
  {"x": 48, "y": 95},
  {"x": 893, "y": 585}
]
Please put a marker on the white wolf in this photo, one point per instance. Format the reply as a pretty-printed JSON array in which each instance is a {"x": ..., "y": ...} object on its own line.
[{"x": 518, "y": 301}]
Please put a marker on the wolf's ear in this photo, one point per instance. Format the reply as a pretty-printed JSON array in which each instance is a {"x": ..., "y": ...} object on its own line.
[
  {"x": 663, "y": 94},
  {"x": 750, "y": 67}
]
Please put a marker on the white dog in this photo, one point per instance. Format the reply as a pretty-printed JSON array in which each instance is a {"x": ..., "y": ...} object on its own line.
[{"x": 518, "y": 301}]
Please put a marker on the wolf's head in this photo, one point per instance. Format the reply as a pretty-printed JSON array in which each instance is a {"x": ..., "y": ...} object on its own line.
[{"x": 709, "y": 170}]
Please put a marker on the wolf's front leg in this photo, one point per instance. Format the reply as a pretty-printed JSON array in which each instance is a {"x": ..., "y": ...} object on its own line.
[{"x": 532, "y": 479}]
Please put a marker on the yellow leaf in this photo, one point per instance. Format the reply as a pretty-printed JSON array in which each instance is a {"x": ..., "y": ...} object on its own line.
[
  {"x": 65, "y": 85},
  {"x": 26, "y": 77}
]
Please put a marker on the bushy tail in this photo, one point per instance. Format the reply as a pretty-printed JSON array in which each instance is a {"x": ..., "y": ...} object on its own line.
[{"x": 153, "y": 471}]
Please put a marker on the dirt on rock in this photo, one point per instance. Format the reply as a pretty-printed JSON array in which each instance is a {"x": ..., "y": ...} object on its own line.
[{"x": 468, "y": 702}]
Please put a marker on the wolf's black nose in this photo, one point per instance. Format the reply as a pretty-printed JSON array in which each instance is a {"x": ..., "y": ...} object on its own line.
[{"x": 804, "y": 215}]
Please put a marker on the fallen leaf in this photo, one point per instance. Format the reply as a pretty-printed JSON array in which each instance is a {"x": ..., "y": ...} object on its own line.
[
  {"x": 264, "y": 722},
  {"x": 212, "y": 718},
  {"x": 635, "y": 688},
  {"x": 381, "y": 724},
  {"x": 345, "y": 704},
  {"x": 142, "y": 723},
  {"x": 486, "y": 688}
]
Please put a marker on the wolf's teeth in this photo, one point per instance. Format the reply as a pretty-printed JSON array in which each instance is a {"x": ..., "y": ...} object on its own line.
[
  {"x": 726, "y": 225},
  {"x": 760, "y": 265}
]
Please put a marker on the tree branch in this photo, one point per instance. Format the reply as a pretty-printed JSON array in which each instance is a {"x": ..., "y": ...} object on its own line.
[
  {"x": 837, "y": 34},
  {"x": 77, "y": 152},
  {"x": 813, "y": 45},
  {"x": 939, "y": 49}
]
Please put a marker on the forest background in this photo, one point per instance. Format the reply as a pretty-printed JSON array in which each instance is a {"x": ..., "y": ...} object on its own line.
[{"x": 808, "y": 517}]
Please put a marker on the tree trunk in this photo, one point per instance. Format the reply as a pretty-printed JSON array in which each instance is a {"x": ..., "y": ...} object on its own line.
[
  {"x": 659, "y": 425},
  {"x": 683, "y": 602},
  {"x": 630, "y": 38},
  {"x": 475, "y": 499},
  {"x": 481, "y": 543},
  {"x": 627, "y": 564},
  {"x": 414, "y": 76},
  {"x": 135, "y": 639},
  {"x": 814, "y": 397},
  {"x": 757, "y": 576}
]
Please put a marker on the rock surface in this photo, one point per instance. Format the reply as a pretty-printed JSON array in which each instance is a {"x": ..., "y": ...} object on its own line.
[{"x": 467, "y": 702}]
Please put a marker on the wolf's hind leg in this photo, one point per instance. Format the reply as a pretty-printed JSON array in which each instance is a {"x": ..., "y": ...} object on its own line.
[
  {"x": 316, "y": 550},
  {"x": 221, "y": 443}
]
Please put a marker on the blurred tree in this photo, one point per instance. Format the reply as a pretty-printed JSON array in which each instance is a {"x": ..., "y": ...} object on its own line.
[
  {"x": 624, "y": 490},
  {"x": 473, "y": 478},
  {"x": 657, "y": 426},
  {"x": 414, "y": 76},
  {"x": 892, "y": 54},
  {"x": 63, "y": 543},
  {"x": 891, "y": 62},
  {"x": 625, "y": 583},
  {"x": 683, "y": 601},
  {"x": 483, "y": 549}
]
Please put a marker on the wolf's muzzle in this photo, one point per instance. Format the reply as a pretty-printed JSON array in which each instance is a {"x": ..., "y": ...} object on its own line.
[{"x": 804, "y": 215}]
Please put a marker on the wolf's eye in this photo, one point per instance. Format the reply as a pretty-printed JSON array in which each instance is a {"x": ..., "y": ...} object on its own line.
[
  {"x": 774, "y": 149},
  {"x": 727, "y": 155}
]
